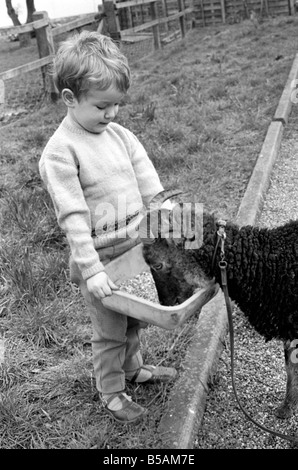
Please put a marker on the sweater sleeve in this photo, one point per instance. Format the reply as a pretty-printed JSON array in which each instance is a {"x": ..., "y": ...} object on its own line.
[{"x": 61, "y": 179}]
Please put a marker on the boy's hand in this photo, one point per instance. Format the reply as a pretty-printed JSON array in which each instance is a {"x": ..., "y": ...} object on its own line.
[{"x": 100, "y": 285}]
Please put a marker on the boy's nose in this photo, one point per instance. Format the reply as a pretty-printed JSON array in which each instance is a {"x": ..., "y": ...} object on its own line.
[{"x": 110, "y": 112}]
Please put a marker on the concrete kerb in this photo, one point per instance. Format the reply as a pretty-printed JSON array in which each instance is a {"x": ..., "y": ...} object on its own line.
[
  {"x": 283, "y": 109},
  {"x": 183, "y": 419},
  {"x": 185, "y": 412}
]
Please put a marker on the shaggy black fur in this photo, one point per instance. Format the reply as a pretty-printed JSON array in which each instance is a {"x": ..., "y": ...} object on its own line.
[{"x": 262, "y": 270}]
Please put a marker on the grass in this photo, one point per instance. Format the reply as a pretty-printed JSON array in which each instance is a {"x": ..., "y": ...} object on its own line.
[{"x": 201, "y": 107}]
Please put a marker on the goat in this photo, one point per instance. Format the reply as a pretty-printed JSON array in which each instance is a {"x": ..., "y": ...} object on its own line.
[{"x": 262, "y": 276}]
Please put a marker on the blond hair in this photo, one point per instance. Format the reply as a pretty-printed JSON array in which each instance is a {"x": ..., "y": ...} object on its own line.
[{"x": 90, "y": 59}]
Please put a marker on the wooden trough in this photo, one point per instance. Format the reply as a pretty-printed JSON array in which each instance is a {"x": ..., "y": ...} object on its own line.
[{"x": 128, "y": 266}]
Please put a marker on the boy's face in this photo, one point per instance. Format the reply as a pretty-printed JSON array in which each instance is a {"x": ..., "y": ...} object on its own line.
[{"x": 96, "y": 109}]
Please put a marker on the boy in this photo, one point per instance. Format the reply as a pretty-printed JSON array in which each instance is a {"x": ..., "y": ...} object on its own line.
[{"x": 99, "y": 178}]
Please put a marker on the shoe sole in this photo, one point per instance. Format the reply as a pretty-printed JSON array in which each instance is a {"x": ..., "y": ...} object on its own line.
[
  {"x": 132, "y": 421},
  {"x": 154, "y": 380}
]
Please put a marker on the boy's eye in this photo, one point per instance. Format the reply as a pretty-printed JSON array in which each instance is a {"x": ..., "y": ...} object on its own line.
[{"x": 104, "y": 107}]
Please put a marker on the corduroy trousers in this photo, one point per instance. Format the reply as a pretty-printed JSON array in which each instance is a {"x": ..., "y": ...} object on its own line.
[{"x": 116, "y": 337}]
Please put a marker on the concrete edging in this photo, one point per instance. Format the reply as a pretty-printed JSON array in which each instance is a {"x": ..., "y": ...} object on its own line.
[
  {"x": 187, "y": 405},
  {"x": 284, "y": 107},
  {"x": 181, "y": 422}
]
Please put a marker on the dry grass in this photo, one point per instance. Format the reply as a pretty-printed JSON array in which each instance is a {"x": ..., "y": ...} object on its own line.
[{"x": 202, "y": 112}]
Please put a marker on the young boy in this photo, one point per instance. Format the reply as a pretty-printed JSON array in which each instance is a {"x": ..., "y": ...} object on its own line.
[{"x": 99, "y": 178}]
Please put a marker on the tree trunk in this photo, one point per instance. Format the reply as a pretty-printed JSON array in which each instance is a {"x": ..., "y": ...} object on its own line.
[
  {"x": 30, "y": 10},
  {"x": 25, "y": 38},
  {"x": 12, "y": 13}
]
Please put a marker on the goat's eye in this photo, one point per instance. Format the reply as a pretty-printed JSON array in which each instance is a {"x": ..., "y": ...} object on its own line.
[{"x": 157, "y": 267}]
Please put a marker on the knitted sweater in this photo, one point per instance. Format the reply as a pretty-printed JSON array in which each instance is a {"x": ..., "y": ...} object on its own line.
[{"x": 99, "y": 184}]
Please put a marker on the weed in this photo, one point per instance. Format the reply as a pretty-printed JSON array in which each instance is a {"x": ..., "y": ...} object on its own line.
[
  {"x": 144, "y": 112},
  {"x": 149, "y": 112},
  {"x": 169, "y": 134},
  {"x": 217, "y": 92}
]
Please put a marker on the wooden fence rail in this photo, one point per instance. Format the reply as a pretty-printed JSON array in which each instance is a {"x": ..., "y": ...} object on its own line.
[
  {"x": 17, "y": 71},
  {"x": 45, "y": 34},
  {"x": 29, "y": 27},
  {"x": 111, "y": 9},
  {"x": 78, "y": 23},
  {"x": 45, "y": 43}
]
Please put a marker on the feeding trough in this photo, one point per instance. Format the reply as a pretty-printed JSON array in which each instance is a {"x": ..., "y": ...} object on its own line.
[{"x": 131, "y": 264}]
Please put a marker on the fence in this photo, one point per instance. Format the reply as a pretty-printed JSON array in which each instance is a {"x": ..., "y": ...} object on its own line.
[
  {"x": 130, "y": 18},
  {"x": 138, "y": 25},
  {"x": 211, "y": 12},
  {"x": 25, "y": 88}
]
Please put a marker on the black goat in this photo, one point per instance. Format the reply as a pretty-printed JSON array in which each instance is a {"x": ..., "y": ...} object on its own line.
[{"x": 262, "y": 274}]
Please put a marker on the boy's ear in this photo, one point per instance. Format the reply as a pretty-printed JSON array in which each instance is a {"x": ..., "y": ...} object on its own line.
[{"x": 68, "y": 97}]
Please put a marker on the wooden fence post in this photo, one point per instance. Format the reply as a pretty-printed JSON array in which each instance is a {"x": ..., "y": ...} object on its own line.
[
  {"x": 164, "y": 8},
  {"x": 181, "y": 8},
  {"x": 291, "y": 7},
  {"x": 129, "y": 16},
  {"x": 223, "y": 11},
  {"x": 203, "y": 12},
  {"x": 2, "y": 95},
  {"x": 112, "y": 20},
  {"x": 45, "y": 46},
  {"x": 155, "y": 29}
]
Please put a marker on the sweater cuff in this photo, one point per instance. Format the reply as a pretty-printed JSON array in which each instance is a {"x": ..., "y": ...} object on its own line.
[{"x": 95, "y": 269}]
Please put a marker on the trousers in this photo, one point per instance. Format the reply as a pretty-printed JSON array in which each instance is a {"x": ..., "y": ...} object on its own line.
[{"x": 115, "y": 337}]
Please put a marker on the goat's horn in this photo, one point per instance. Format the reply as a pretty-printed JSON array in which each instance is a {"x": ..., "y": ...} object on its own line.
[
  {"x": 150, "y": 220},
  {"x": 161, "y": 197}
]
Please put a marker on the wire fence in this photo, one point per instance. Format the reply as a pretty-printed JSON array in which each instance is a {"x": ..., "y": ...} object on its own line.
[
  {"x": 23, "y": 96},
  {"x": 137, "y": 50}
]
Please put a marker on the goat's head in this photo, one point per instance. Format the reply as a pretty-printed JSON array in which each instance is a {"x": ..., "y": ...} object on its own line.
[{"x": 170, "y": 248}]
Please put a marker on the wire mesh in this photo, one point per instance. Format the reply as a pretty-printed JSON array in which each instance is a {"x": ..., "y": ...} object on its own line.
[
  {"x": 23, "y": 94},
  {"x": 134, "y": 51}
]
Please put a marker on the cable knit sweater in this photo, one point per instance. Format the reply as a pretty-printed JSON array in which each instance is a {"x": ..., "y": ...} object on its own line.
[{"x": 99, "y": 184}]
